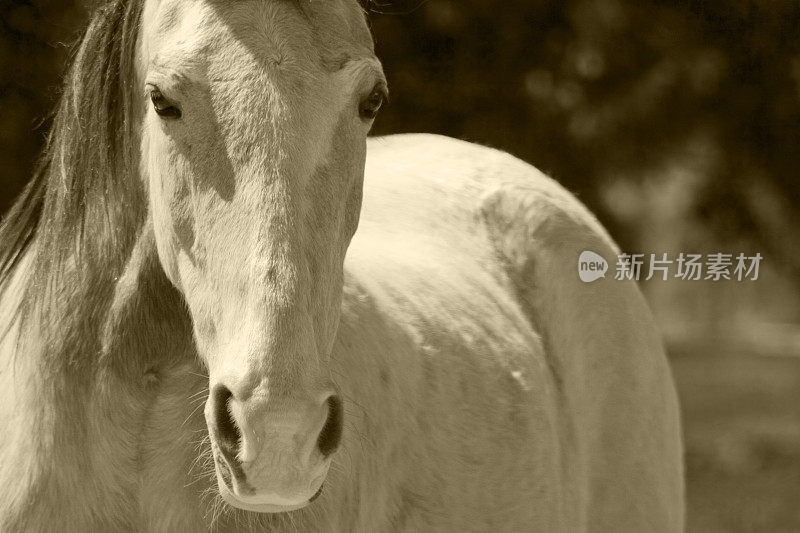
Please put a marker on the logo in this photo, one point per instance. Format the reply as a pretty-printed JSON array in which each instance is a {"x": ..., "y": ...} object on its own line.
[{"x": 591, "y": 266}]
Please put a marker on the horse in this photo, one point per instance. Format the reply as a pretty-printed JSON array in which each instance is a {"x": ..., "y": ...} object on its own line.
[{"x": 196, "y": 338}]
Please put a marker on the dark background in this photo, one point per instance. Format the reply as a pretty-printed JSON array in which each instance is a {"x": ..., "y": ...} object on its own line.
[{"x": 676, "y": 122}]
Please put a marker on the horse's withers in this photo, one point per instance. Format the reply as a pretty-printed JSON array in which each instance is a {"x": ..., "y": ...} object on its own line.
[{"x": 253, "y": 150}]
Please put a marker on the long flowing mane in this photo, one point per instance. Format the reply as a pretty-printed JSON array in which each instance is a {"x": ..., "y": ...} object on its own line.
[{"x": 80, "y": 201}]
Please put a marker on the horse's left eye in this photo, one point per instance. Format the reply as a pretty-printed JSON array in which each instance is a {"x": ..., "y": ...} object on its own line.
[
  {"x": 369, "y": 107},
  {"x": 163, "y": 107}
]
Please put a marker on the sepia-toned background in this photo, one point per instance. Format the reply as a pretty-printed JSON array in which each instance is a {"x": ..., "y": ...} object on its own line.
[{"x": 678, "y": 123}]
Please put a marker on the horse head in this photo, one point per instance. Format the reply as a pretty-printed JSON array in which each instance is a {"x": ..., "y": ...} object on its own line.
[{"x": 253, "y": 150}]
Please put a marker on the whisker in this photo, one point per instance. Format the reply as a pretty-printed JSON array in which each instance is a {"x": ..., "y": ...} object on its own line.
[{"x": 199, "y": 405}]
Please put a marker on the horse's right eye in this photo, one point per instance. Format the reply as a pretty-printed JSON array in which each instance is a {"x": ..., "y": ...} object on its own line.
[
  {"x": 369, "y": 107},
  {"x": 163, "y": 107}
]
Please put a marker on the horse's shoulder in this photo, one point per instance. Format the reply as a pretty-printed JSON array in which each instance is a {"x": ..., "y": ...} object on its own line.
[{"x": 526, "y": 219}]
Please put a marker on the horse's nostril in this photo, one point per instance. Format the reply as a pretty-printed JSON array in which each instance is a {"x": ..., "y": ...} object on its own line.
[
  {"x": 316, "y": 495},
  {"x": 331, "y": 433},
  {"x": 225, "y": 429}
]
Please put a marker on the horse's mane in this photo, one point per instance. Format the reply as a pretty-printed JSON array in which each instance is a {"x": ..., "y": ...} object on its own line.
[{"x": 85, "y": 179}]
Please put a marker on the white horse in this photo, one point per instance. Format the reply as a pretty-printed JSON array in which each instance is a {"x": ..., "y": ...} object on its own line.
[{"x": 183, "y": 245}]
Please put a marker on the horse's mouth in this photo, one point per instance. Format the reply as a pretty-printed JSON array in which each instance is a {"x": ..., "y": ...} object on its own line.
[
  {"x": 233, "y": 500},
  {"x": 225, "y": 485}
]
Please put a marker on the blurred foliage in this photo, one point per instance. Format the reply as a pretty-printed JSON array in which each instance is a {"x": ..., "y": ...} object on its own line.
[
  {"x": 587, "y": 90},
  {"x": 35, "y": 39}
]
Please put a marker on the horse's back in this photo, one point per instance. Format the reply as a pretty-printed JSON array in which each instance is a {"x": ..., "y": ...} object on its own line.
[{"x": 546, "y": 387}]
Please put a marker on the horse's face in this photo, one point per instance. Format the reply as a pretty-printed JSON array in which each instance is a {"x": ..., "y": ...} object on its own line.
[{"x": 254, "y": 142}]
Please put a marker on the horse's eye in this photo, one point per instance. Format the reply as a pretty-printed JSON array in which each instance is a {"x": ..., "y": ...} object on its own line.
[
  {"x": 369, "y": 107},
  {"x": 163, "y": 107}
]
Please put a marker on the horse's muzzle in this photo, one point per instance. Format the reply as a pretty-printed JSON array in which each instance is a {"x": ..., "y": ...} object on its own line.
[{"x": 272, "y": 456}]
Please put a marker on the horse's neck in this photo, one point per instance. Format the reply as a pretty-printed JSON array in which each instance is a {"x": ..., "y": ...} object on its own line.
[
  {"x": 78, "y": 402},
  {"x": 11, "y": 297},
  {"x": 32, "y": 412}
]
